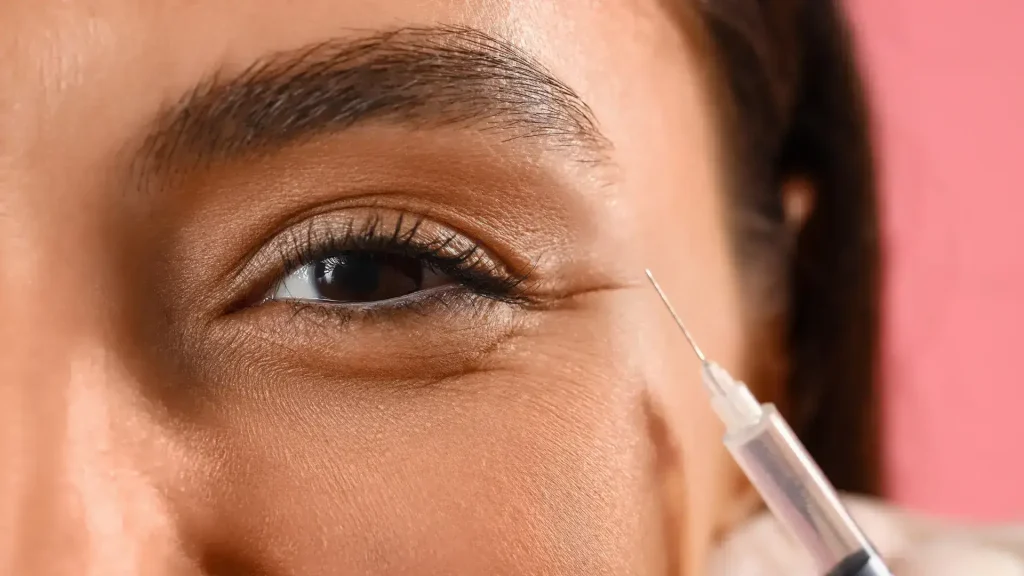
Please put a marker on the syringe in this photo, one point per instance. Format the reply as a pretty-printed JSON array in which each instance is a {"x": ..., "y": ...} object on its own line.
[{"x": 779, "y": 467}]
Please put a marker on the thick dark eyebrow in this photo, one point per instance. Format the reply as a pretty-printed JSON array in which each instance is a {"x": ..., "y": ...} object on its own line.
[{"x": 413, "y": 77}]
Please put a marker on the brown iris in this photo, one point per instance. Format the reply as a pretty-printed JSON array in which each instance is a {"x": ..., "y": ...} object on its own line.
[{"x": 367, "y": 276}]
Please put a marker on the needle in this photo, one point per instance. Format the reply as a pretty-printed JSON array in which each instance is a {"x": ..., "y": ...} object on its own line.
[{"x": 679, "y": 321}]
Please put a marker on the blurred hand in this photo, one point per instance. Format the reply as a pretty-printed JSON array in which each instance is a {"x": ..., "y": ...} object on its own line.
[{"x": 912, "y": 546}]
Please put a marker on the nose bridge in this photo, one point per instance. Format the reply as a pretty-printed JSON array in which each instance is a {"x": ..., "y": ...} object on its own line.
[
  {"x": 80, "y": 457},
  {"x": 78, "y": 453},
  {"x": 76, "y": 498}
]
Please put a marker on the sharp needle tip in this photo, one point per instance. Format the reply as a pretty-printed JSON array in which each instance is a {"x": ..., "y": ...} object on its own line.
[{"x": 675, "y": 316}]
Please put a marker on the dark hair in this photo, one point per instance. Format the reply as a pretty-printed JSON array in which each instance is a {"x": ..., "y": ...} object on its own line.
[{"x": 797, "y": 110}]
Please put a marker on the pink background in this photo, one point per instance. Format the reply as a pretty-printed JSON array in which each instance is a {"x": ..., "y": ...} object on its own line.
[{"x": 948, "y": 81}]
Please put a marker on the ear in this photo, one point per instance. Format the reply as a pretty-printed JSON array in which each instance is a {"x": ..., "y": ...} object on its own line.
[
  {"x": 768, "y": 368},
  {"x": 798, "y": 196},
  {"x": 768, "y": 348}
]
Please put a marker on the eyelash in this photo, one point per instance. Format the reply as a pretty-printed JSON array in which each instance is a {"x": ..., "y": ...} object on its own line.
[{"x": 474, "y": 272}]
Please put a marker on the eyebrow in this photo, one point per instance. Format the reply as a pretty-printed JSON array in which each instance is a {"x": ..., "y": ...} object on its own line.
[{"x": 411, "y": 77}]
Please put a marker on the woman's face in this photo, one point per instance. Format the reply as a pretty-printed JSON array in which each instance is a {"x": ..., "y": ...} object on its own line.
[{"x": 322, "y": 286}]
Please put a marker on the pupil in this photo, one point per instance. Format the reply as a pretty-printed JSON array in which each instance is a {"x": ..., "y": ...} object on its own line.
[{"x": 367, "y": 276}]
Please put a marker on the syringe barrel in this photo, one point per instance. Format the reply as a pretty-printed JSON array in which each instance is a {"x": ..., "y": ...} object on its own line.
[{"x": 796, "y": 490}]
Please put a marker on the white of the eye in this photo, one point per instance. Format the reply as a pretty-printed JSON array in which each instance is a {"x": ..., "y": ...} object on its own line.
[{"x": 299, "y": 285}]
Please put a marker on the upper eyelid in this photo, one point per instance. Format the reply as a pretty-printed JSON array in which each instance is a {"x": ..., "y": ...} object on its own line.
[
  {"x": 327, "y": 224},
  {"x": 316, "y": 242}
]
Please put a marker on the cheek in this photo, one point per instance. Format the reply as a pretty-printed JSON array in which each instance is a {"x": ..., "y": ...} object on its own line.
[{"x": 535, "y": 462}]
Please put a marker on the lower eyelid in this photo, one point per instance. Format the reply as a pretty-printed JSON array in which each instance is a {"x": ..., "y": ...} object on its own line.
[
  {"x": 390, "y": 303},
  {"x": 442, "y": 299},
  {"x": 419, "y": 336}
]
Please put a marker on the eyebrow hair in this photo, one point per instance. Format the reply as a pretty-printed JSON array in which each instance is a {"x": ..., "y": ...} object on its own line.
[{"x": 412, "y": 77}]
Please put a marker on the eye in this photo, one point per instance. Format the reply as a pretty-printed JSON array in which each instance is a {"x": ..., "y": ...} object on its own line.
[
  {"x": 359, "y": 276},
  {"x": 350, "y": 261}
]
